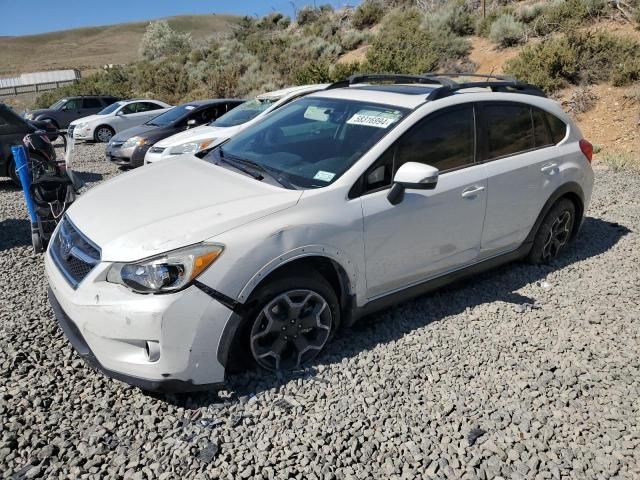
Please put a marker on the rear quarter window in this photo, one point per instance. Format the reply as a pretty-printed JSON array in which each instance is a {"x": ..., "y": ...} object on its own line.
[
  {"x": 508, "y": 129},
  {"x": 557, "y": 126}
]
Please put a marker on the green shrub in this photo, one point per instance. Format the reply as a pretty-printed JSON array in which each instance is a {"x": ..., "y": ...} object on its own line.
[
  {"x": 622, "y": 161},
  {"x": 528, "y": 13},
  {"x": 578, "y": 58},
  {"x": 455, "y": 15},
  {"x": 483, "y": 25},
  {"x": 506, "y": 31},
  {"x": 367, "y": 14},
  {"x": 404, "y": 46},
  {"x": 307, "y": 14},
  {"x": 160, "y": 40},
  {"x": 352, "y": 39},
  {"x": 566, "y": 15}
]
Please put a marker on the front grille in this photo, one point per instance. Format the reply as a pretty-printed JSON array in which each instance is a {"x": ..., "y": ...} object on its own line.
[
  {"x": 73, "y": 253},
  {"x": 157, "y": 149}
]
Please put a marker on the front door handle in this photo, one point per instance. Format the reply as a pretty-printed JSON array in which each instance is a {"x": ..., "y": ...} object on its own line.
[
  {"x": 549, "y": 167},
  {"x": 472, "y": 192}
]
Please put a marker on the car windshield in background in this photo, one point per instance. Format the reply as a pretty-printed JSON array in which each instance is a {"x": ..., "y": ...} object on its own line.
[
  {"x": 58, "y": 104},
  {"x": 171, "y": 116},
  {"x": 110, "y": 109},
  {"x": 310, "y": 143},
  {"x": 244, "y": 112}
]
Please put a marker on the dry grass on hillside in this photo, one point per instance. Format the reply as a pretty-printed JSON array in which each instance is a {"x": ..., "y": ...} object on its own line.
[{"x": 88, "y": 48}]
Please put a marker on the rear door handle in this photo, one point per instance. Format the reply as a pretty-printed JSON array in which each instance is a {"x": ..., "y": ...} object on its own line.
[
  {"x": 472, "y": 192},
  {"x": 549, "y": 167}
]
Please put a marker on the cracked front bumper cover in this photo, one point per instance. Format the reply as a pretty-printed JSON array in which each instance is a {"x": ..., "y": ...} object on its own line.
[{"x": 79, "y": 344}]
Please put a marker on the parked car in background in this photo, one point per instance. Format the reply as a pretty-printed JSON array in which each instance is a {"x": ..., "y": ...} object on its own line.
[
  {"x": 341, "y": 203},
  {"x": 228, "y": 125},
  {"x": 68, "y": 109},
  {"x": 129, "y": 147},
  {"x": 13, "y": 129},
  {"x": 115, "y": 118}
]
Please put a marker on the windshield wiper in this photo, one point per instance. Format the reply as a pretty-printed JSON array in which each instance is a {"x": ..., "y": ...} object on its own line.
[
  {"x": 272, "y": 172},
  {"x": 235, "y": 165}
]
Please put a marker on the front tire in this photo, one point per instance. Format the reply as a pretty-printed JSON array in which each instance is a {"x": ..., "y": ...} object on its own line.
[
  {"x": 294, "y": 318},
  {"x": 103, "y": 134},
  {"x": 554, "y": 232}
]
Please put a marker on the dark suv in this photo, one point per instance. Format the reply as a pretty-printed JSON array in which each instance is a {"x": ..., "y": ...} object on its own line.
[{"x": 68, "y": 109}]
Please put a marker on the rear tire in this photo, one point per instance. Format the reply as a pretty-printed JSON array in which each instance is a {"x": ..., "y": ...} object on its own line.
[
  {"x": 292, "y": 320},
  {"x": 103, "y": 134},
  {"x": 554, "y": 233}
]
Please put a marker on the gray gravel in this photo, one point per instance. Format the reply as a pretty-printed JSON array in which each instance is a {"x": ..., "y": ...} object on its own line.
[{"x": 522, "y": 373}]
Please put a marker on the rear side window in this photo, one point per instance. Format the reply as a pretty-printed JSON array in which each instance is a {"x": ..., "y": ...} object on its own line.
[
  {"x": 444, "y": 140},
  {"x": 91, "y": 103},
  {"x": 508, "y": 129},
  {"x": 147, "y": 107},
  {"x": 558, "y": 127},
  {"x": 109, "y": 100},
  {"x": 541, "y": 132}
]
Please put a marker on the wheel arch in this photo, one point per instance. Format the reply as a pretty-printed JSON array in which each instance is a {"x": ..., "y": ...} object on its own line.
[
  {"x": 572, "y": 191},
  {"x": 340, "y": 278}
]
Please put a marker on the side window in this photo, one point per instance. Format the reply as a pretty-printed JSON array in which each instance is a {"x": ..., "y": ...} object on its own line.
[
  {"x": 129, "y": 108},
  {"x": 147, "y": 107},
  {"x": 208, "y": 114},
  {"x": 508, "y": 129},
  {"x": 73, "y": 104},
  {"x": 109, "y": 100},
  {"x": 444, "y": 140},
  {"x": 91, "y": 103},
  {"x": 380, "y": 174},
  {"x": 558, "y": 127},
  {"x": 541, "y": 132}
]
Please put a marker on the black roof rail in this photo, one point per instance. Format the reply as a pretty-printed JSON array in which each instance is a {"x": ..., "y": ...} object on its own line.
[
  {"x": 511, "y": 86},
  {"x": 391, "y": 77},
  {"x": 446, "y": 86}
]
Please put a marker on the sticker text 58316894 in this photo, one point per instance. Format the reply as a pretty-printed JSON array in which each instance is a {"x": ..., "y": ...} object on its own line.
[{"x": 374, "y": 118}]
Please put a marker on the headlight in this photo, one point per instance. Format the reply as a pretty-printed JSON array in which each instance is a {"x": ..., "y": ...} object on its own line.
[
  {"x": 134, "y": 142},
  {"x": 167, "y": 272},
  {"x": 191, "y": 147},
  {"x": 80, "y": 125}
]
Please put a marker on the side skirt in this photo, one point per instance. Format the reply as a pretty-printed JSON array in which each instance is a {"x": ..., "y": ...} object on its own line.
[{"x": 402, "y": 296}]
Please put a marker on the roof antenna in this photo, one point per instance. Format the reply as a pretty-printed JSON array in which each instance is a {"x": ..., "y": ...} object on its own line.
[{"x": 491, "y": 73}]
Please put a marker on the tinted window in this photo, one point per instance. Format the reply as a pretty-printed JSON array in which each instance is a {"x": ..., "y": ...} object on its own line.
[
  {"x": 245, "y": 112},
  {"x": 73, "y": 104},
  {"x": 109, "y": 100},
  {"x": 541, "y": 133},
  {"x": 509, "y": 129},
  {"x": 172, "y": 115},
  {"x": 91, "y": 103},
  {"x": 443, "y": 140},
  {"x": 558, "y": 127},
  {"x": 146, "y": 107},
  {"x": 127, "y": 109}
]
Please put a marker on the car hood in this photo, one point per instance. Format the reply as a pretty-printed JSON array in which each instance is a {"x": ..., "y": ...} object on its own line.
[
  {"x": 172, "y": 204},
  {"x": 203, "y": 132},
  {"x": 40, "y": 111},
  {"x": 140, "y": 130},
  {"x": 88, "y": 119}
]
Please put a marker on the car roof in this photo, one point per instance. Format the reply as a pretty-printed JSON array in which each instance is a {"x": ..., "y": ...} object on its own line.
[
  {"x": 277, "y": 94},
  {"x": 399, "y": 95}
]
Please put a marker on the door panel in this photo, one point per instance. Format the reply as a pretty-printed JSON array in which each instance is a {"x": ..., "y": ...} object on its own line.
[{"x": 428, "y": 233}]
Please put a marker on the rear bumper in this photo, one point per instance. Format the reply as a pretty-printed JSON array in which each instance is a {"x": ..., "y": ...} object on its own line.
[{"x": 79, "y": 344}]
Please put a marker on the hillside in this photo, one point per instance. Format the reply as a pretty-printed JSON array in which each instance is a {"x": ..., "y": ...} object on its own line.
[{"x": 90, "y": 48}]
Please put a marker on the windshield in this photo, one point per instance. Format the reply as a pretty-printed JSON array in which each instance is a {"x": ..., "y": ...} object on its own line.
[
  {"x": 313, "y": 141},
  {"x": 171, "y": 116},
  {"x": 110, "y": 109},
  {"x": 244, "y": 112},
  {"x": 58, "y": 104}
]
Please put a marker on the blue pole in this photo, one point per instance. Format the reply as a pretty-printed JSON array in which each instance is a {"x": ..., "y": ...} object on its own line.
[{"x": 22, "y": 167}]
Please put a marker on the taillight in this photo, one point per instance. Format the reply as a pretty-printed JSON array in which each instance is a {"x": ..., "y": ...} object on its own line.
[{"x": 587, "y": 149}]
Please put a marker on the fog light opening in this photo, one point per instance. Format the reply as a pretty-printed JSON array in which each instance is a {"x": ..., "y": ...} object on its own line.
[{"x": 152, "y": 349}]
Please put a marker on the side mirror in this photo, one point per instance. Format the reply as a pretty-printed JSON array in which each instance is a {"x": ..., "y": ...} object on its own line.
[
  {"x": 191, "y": 123},
  {"x": 64, "y": 108},
  {"x": 120, "y": 112},
  {"x": 412, "y": 175}
]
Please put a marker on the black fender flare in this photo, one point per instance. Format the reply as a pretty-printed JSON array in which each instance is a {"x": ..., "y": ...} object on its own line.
[{"x": 571, "y": 189}]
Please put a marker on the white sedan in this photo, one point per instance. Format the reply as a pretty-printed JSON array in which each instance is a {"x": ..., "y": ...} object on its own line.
[{"x": 115, "y": 118}]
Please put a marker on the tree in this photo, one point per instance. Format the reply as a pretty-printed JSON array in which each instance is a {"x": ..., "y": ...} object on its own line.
[{"x": 160, "y": 40}]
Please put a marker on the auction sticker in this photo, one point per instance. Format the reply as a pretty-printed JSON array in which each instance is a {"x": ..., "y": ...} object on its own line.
[
  {"x": 374, "y": 118},
  {"x": 324, "y": 176}
]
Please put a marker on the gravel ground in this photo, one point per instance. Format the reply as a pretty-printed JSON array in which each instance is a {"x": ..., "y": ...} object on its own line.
[{"x": 522, "y": 373}]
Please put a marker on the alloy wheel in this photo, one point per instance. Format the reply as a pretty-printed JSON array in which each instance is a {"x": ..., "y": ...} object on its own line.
[
  {"x": 104, "y": 134},
  {"x": 558, "y": 235},
  {"x": 291, "y": 329}
]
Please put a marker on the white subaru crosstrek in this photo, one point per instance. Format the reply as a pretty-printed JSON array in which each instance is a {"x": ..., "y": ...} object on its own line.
[
  {"x": 243, "y": 116},
  {"x": 338, "y": 204}
]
